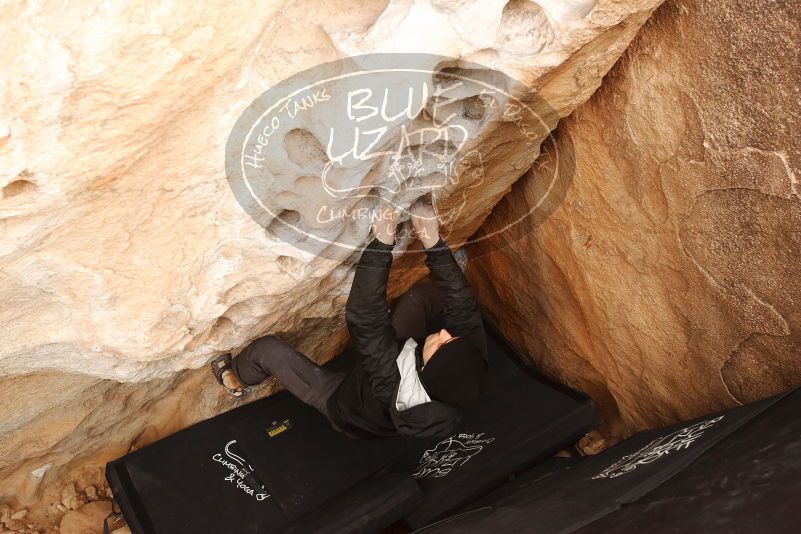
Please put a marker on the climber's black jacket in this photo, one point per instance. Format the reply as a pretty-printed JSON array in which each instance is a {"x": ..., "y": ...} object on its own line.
[{"x": 364, "y": 403}]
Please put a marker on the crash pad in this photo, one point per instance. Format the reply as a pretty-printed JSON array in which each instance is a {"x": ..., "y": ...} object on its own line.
[
  {"x": 732, "y": 471},
  {"x": 275, "y": 463}
]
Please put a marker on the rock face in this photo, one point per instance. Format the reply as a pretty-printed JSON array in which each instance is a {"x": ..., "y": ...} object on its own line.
[
  {"x": 666, "y": 284},
  {"x": 125, "y": 260}
]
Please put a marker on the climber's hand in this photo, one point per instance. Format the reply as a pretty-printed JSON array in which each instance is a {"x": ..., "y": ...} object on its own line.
[
  {"x": 425, "y": 222},
  {"x": 385, "y": 219}
]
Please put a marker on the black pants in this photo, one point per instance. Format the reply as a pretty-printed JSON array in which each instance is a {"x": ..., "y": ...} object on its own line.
[{"x": 417, "y": 314}]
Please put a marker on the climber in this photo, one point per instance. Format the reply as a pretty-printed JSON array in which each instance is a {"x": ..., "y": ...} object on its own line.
[{"x": 421, "y": 366}]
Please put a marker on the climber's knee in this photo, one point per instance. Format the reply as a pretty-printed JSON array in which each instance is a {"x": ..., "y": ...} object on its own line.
[
  {"x": 266, "y": 348},
  {"x": 267, "y": 341}
]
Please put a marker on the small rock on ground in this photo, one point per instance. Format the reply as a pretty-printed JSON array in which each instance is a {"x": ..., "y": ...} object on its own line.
[{"x": 87, "y": 519}]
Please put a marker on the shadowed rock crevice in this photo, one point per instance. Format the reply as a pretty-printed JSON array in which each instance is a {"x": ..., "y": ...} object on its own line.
[{"x": 18, "y": 187}]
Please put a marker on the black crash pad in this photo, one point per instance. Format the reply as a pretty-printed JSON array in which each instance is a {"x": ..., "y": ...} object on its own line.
[
  {"x": 314, "y": 475},
  {"x": 734, "y": 471},
  {"x": 749, "y": 482},
  {"x": 521, "y": 420},
  {"x": 200, "y": 480},
  {"x": 181, "y": 483},
  {"x": 369, "y": 506},
  {"x": 302, "y": 460}
]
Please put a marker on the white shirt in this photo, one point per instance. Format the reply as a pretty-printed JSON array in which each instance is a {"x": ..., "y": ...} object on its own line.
[{"x": 411, "y": 391}]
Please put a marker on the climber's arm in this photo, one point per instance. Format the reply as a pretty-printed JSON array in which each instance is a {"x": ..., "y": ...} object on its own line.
[
  {"x": 460, "y": 310},
  {"x": 367, "y": 314}
]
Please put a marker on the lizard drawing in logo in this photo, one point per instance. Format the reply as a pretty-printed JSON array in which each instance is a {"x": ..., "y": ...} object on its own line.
[{"x": 448, "y": 454}]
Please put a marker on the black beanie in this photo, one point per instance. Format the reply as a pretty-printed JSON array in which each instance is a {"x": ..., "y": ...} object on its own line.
[{"x": 456, "y": 373}]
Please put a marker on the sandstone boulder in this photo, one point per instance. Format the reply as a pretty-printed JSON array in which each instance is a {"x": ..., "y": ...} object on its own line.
[
  {"x": 126, "y": 261},
  {"x": 666, "y": 283}
]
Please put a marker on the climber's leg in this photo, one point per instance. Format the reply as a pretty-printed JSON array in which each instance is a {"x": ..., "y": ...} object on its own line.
[
  {"x": 269, "y": 356},
  {"x": 418, "y": 312}
]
